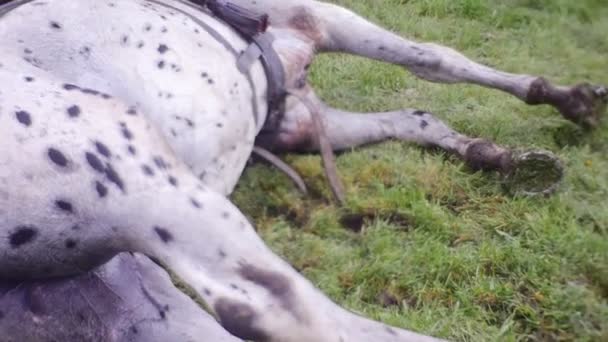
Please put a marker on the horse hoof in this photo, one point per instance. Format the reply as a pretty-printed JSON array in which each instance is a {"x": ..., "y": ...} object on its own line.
[
  {"x": 586, "y": 106},
  {"x": 534, "y": 173},
  {"x": 601, "y": 92}
]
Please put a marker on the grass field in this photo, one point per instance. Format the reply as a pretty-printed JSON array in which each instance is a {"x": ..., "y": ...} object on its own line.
[{"x": 428, "y": 245}]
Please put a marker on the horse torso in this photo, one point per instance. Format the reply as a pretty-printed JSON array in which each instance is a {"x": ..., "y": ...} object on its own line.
[{"x": 161, "y": 57}]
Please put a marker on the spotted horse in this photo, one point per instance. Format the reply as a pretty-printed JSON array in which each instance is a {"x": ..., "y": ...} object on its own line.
[{"x": 124, "y": 125}]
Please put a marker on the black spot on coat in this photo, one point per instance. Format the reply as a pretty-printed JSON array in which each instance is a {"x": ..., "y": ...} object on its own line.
[
  {"x": 147, "y": 170},
  {"x": 70, "y": 87},
  {"x": 419, "y": 113},
  {"x": 74, "y": 111},
  {"x": 162, "y": 48},
  {"x": 277, "y": 284},
  {"x": 163, "y": 234},
  {"x": 196, "y": 203},
  {"x": 114, "y": 177},
  {"x": 64, "y": 206},
  {"x": 126, "y": 133},
  {"x": 22, "y": 236},
  {"x": 24, "y": 118},
  {"x": 173, "y": 181},
  {"x": 103, "y": 149},
  {"x": 274, "y": 282},
  {"x": 94, "y": 162},
  {"x": 222, "y": 254},
  {"x": 132, "y": 150},
  {"x": 239, "y": 320},
  {"x": 160, "y": 163},
  {"x": 57, "y": 157},
  {"x": 90, "y": 91},
  {"x": 102, "y": 190}
]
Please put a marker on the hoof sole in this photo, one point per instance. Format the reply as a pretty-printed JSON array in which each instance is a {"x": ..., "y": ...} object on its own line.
[{"x": 534, "y": 173}]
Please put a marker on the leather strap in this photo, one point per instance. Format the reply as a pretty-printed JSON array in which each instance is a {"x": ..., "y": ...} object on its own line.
[
  {"x": 275, "y": 74},
  {"x": 252, "y": 27},
  {"x": 11, "y": 5},
  {"x": 247, "y": 23}
]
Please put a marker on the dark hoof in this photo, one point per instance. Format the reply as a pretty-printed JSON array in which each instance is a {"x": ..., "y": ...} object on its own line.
[
  {"x": 534, "y": 173},
  {"x": 585, "y": 105},
  {"x": 487, "y": 156}
]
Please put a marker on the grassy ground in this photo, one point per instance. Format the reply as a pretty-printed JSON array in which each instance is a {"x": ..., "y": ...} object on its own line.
[{"x": 426, "y": 244}]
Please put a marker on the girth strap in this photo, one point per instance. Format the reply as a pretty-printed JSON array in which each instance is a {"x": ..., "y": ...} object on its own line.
[
  {"x": 262, "y": 49},
  {"x": 252, "y": 27}
]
